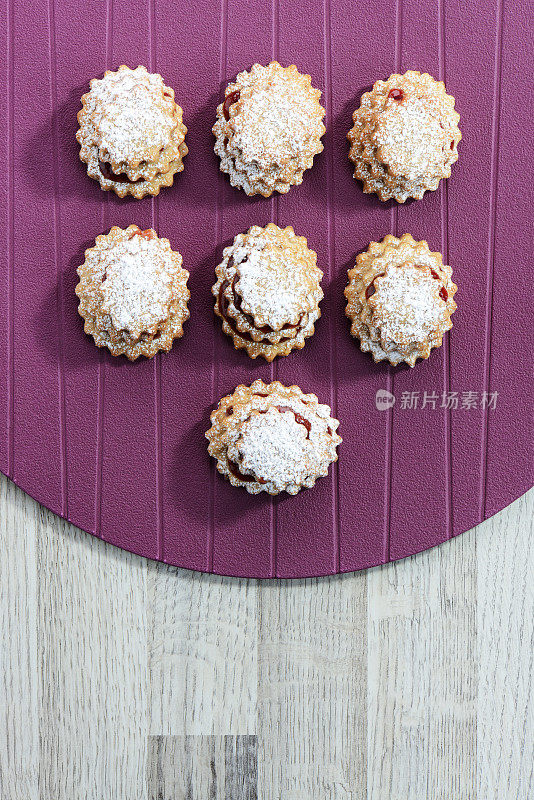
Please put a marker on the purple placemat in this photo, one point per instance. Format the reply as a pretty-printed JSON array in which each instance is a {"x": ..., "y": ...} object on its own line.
[{"x": 119, "y": 448}]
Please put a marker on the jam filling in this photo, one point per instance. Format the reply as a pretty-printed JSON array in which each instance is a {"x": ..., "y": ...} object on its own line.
[
  {"x": 298, "y": 418},
  {"x": 223, "y": 309},
  {"x": 232, "y": 98},
  {"x": 236, "y": 472},
  {"x": 371, "y": 289},
  {"x": 369, "y": 292},
  {"x": 109, "y": 175},
  {"x": 148, "y": 234},
  {"x": 442, "y": 292},
  {"x": 396, "y": 94}
]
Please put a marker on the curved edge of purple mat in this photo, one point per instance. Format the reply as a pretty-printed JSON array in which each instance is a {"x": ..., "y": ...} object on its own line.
[{"x": 303, "y": 576}]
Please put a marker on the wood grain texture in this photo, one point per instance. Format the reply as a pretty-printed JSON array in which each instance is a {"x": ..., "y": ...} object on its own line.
[
  {"x": 505, "y": 648},
  {"x": 312, "y": 692},
  {"x": 19, "y": 717},
  {"x": 422, "y": 668},
  {"x": 128, "y": 680},
  {"x": 91, "y": 666},
  {"x": 198, "y": 625},
  {"x": 215, "y": 767}
]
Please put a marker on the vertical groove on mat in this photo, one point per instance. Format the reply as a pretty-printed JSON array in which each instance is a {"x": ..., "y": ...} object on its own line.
[
  {"x": 11, "y": 239},
  {"x": 101, "y": 362},
  {"x": 223, "y": 45},
  {"x": 444, "y": 219},
  {"x": 394, "y": 223},
  {"x": 389, "y": 443},
  {"x": 495, "y": 132},
  {"x": 158, "y": 434},
  {"x": 274, "y": 366},
  {"x": 99, "y": 435},
  {"x": 58, "y": 256},
  {"x": 109, "y": 32},
  {"x": 331, "y": 262},
  {"x": 157, "y": 359}
]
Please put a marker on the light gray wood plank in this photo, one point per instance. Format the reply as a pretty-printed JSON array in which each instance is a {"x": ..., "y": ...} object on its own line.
[
  {"x": 505, "y": 648},
  {"x": 92, "y": 667},
  {"x": 312, "y": 691},
  {"x": 19, "y": 675},
  {"x": 241, "y": 767},
  {"x": 202, "y": 643},
  {"x": 74, "y": 652},
  {"x": 202, "y": 768},
  {"x": 430, "y": 670},
  {"x": 423, "y": 675},
  {"x": 185, "y": 768}
]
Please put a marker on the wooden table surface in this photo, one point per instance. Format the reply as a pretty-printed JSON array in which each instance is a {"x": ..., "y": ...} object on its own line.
[{"x": 122, "y": 679}]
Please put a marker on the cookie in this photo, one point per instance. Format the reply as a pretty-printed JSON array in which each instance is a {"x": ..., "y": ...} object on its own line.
[
  {"x": 131, "y": 133},
  {"x": 405, "y": 137},
  {"x": 272, "y": 438},
  {"x": 400, "y": 298},
  {"x": 133, "y": 292},
  {"x": 268, "y": 291},
  {"x": 269, "y": 129}
]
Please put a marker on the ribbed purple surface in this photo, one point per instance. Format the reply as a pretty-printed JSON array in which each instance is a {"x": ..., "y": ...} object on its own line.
[{"x": 119, "y": 448}]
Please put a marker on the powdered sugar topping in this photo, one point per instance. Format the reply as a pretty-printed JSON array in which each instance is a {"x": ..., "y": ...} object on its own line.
[
  {"x": 410, "y": 139},
  {"x": 271, "y": 284},
  {"x": 131, "y": 113},
  {"x": 137, "y": 288},
  {"x": 277, "y": 116},
  {"x": 273, "y": 446},
  {"x": 406, "y": 305}
]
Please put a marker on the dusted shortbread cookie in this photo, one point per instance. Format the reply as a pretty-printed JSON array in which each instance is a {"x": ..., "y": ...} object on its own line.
[
  {"x": 269, "y": 128},
  {"x": 272, "y": 438},
  {"x": 133, "y": 292},
  {"x": 405, "y": 136},
  {"x": 268, "y": 291},
  {"x": 131, "y": 132},
  {"x": 400, "y": 299}
]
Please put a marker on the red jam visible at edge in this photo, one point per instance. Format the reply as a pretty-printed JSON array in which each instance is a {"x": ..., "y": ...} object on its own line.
[
  {"x": 232, "y": 98},
  {"x": 148, "y": 234},
  {"x": 443, "y": 293},
  {"x": 298, "y": 418},
  {"x": 396, "y": 94},
  {"x": 109, "y": 175},
  {"x": 236, "y": 472},
  {"x": 371, "y": 289}
]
